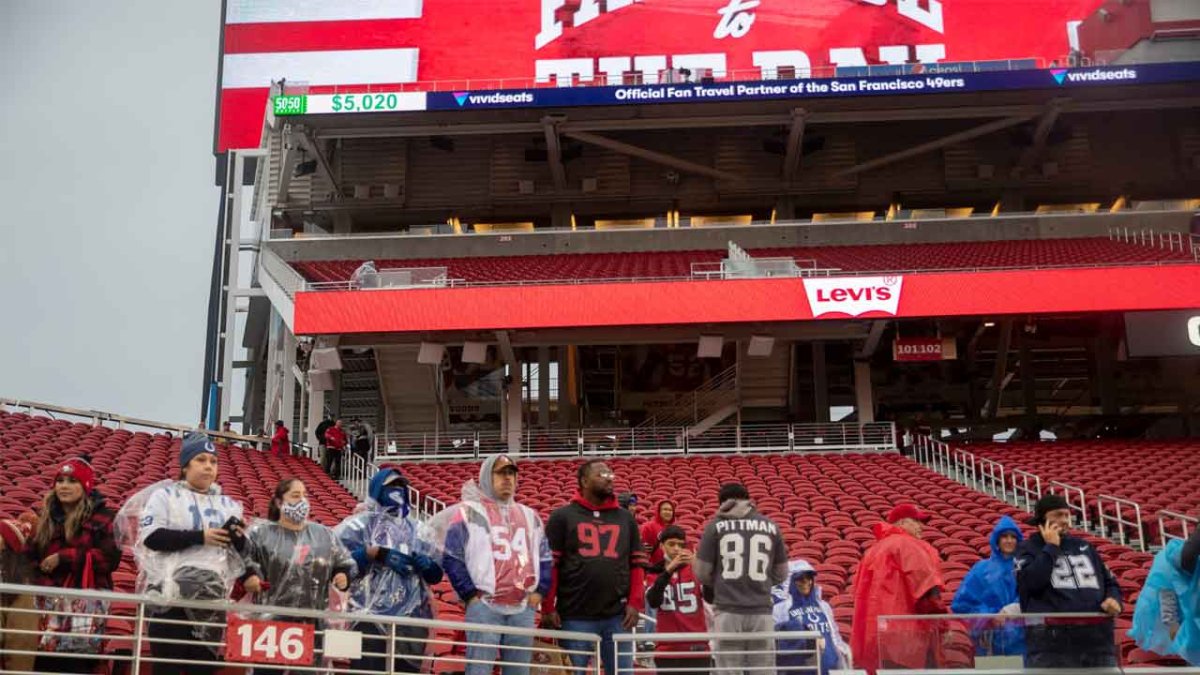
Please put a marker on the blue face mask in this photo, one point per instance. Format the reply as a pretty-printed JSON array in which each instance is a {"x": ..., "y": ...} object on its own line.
[{"x": 396, "y": 497}]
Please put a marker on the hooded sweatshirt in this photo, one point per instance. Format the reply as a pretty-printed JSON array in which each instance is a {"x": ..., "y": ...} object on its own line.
[
  {"x": 989, "y": 587},
  {"x": 494, "y": 549},
  {"x": 653, "y": 529},
  {"x": 380, "y": 589},
  {"x": 599, "y": 564},
  {"x": 749, "y": 551},
  {"x": 808, "y": 613}
]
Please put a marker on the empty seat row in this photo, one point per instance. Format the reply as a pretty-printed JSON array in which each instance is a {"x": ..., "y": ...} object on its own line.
[{"x": 677, "y": 264}]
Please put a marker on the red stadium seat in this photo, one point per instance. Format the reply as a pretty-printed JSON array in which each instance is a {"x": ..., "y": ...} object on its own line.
[{"x": 677, "y": 264}]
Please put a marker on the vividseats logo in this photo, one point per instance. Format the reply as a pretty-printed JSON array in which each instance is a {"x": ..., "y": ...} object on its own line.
[
  {"x": 853, "y": 296},
  {"x": 1062, "y": 75},
  {"x": 498, "y": 98}
]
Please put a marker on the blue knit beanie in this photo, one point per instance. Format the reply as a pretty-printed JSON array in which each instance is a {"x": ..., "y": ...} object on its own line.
[{"x": 193, "y": 445}]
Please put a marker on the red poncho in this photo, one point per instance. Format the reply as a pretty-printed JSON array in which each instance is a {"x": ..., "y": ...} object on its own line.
[{"x": 895, "y": 578}]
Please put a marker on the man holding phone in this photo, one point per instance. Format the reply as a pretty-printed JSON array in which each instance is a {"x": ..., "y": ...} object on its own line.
[{"x": 1058, "y": 573}]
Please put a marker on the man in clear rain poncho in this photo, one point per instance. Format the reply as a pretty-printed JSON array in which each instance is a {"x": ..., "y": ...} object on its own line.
[
  {"x": 495, "y": 552},
  {"x": 394, "y": 572}
]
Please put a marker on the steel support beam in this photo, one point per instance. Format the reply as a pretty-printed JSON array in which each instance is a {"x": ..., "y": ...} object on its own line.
[
  {"x": 310, "y": 145},
  {"x": 1000, "y": 375},
  {"x": 872, "y": 342},
  {"x": 1034, "y": 152},
  {"x": 651, "y": 155},
  {"x": 1028, "y": 110},
  {"x": 795, "y": 145},
  {"x": 930, "y": 146},
  {"x": 554, "y": 152},
  {"x": 291, "y": 157}
]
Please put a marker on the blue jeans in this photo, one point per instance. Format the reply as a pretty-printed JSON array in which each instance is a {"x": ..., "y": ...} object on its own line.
[
  {"x": 605, "y": 628},
  {"x": 486, "y": 644}
]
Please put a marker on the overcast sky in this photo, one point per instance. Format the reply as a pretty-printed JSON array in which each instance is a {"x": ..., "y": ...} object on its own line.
[{"x": 107, "y": 204}]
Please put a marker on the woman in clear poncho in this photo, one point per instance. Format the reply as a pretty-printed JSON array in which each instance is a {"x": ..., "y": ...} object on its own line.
[{"x": 292, "y": 561}]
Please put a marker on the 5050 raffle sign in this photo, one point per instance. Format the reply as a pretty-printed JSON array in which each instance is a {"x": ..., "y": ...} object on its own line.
[{"x": 327, "y": 43}]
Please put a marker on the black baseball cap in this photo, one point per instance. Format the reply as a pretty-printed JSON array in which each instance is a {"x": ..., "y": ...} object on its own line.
[{"x": 504, "y": 463}]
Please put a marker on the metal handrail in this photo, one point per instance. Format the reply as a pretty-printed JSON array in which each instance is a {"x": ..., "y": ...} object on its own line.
[
  {"x": 1121, "y": 524},
  {"x": 686, "y": 408},
  {"x": 447, "y": 233},
  {"x": 148, "y": 610},
  {"x": 672, "y": 441},
  {"x": 1184, "y": 242},
  {"x": 1029, "y": 490},
  {"x": 1165, "y": 516},
  {"x": 99, "y": 418},
  {"x": 1067, "y": 492}
]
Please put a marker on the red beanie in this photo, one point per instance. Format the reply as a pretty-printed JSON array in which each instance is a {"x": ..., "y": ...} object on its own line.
[
  {"x": 15, "y": 531},
  {"x": 81, "y": 471}
]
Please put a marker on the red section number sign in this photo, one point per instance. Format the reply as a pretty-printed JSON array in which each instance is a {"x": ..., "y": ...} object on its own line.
[{"x": 278, "y": 642}]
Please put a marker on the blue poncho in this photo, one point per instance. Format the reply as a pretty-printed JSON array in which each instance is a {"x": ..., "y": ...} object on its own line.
[
  {"x": 1149, "y": 627},
  {"x": 990, "y": 586}
]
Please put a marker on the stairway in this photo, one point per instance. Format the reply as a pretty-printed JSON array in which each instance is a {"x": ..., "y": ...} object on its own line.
[
  {"x": 708, "y": 405},
  {"x": 764, "y": 379},
  {"x": 360, "y": 388},
  {"x": 410, "y": 391}
]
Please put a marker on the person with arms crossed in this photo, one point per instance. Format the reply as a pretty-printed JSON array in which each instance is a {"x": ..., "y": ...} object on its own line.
[
  {"x": 742, "y": 556},
  {"x": 1060, "y": 573},
  {"x": 598, "y": 576}
]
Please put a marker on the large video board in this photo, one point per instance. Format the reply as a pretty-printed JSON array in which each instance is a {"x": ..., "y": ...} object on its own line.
[{"x": 471, "y": 45}]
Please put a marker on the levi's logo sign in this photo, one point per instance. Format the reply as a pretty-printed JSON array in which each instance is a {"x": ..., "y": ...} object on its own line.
[{"x": 853, "y": 296}]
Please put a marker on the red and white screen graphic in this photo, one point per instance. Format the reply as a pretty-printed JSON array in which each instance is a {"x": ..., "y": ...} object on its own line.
[{"x": 327, "y": 43}]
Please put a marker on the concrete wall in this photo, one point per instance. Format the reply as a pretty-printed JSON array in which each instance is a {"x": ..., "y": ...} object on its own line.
[{"x": 715, "y": 238}]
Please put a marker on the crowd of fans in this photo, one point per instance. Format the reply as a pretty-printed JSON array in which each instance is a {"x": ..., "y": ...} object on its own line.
[{"x": 589, "y": 569}]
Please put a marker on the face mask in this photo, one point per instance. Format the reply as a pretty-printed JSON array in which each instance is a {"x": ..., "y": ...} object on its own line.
[
  {"x": 297, "y": 513},
  {"x": 396, "y": 498}
]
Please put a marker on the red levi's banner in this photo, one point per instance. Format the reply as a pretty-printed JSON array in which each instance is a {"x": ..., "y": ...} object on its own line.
[
  {"x": 468, "y": 44},
  {"x": 748, "y": 300},
  {"x": 917, "y": 349}
]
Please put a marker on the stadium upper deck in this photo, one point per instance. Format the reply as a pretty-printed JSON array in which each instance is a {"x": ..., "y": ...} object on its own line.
[{"x": 564, "y": 186}]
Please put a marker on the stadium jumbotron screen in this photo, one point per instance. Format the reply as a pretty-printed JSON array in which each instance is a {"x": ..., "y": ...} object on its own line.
[{"x": 517, "y": 44}]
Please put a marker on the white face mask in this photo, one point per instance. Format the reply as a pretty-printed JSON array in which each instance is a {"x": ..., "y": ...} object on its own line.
[{"x": 297, "y": 513}]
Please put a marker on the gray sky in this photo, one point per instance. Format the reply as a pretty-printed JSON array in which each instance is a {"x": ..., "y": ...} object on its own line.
[{"x": 109, "y": 208}]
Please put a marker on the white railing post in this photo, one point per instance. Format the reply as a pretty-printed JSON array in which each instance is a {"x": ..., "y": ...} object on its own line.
[
  {"x": 1068, "y": 491},
  {"x": 1184, "y": 521}
]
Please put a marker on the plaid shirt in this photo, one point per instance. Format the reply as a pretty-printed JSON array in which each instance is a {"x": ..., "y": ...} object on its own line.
[{"x": 95, "y": 536}]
